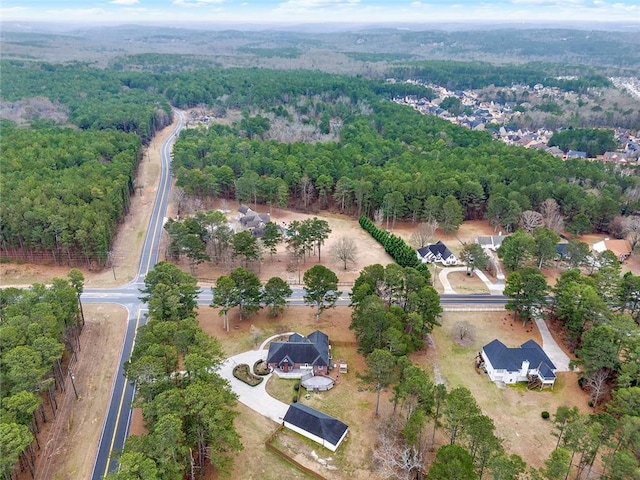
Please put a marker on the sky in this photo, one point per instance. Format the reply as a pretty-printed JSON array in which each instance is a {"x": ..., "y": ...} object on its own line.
[{"x": 319, "y": 11}]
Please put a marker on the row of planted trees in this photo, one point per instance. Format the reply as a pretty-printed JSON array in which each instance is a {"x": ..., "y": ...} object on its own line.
[
  {"x": 403, "y": 254},
  {"x": 39, "y": 338}
]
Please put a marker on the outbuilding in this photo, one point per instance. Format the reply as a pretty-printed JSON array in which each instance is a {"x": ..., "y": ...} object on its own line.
[{"x": 315, "y": 425}]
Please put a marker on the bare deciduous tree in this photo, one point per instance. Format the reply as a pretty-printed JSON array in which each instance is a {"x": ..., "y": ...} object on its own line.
[
  {"x": 552, "y": 216},
  {"x": 344, "y": 251},
  {"x": 631, "y": 229},
  {"x": 464, "y": 332},
  {"x": 597, "y": 385},
  {"x": 378, "y": 217},
  {"x": 424, "y": 233},
  {"x": 530, "y": 220},
  {"x": 178, "y": 198},
  {"x": 306, "y": 191},
  {"x": 395, "y": 459}
]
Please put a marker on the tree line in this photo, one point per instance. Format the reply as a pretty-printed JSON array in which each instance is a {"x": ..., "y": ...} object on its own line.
[
  {"x": 455, "y": 75},
  {"x": 422, "y": 167},
  {"x": 39, "y": 339}
]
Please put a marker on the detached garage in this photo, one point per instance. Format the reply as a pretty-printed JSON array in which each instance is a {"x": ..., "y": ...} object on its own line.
[{"x": 319, "y": 427}]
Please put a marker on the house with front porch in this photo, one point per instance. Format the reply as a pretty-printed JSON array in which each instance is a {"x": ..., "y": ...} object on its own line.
[{"x": 300, "y": 355}]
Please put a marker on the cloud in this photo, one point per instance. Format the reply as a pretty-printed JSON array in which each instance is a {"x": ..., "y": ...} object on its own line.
[
  {"x": 196, "y": 3},
  {"x": 124, "y": 2},
  {"x": 315, "y": 4}
]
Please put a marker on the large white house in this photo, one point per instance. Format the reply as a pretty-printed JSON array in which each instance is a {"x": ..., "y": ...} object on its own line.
[
  {"x": 519, "y": 364},
  {"x": 437, "y": 252}
]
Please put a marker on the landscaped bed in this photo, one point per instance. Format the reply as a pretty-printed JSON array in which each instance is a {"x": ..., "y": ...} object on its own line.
[
  {"x": 243, "y": 373},
  {"x": 261, "y": 368}
]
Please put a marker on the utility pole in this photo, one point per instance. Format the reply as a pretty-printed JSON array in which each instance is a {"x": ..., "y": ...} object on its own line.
[
  {"x": 73, "y": 383},
  {"x": 113, "y": 268}
]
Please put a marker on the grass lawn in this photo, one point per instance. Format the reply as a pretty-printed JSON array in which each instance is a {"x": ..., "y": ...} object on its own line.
[{"x": 514, "y": 410}]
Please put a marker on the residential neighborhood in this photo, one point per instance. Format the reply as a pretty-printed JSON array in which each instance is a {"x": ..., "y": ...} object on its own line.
[{"x": 497, "y": 118}]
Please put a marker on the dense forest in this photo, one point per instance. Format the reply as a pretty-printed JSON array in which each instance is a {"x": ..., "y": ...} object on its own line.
[
  {"x": 64, "y": 192},
  {"x": 355, "y": 139}
]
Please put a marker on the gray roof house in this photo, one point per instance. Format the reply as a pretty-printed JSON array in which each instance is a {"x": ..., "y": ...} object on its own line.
[
  {"x": 519, "y": 364},
  {"x": 576, "y": 154},
  {"x": 300, "y": 355},
  {"x": 317, "y": 426},
  {"x": 492, "y": 242},
  {"x": 437, "y": 252}
]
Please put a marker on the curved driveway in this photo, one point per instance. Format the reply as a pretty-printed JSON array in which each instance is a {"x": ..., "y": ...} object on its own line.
[{"x": 256, "y": 398}]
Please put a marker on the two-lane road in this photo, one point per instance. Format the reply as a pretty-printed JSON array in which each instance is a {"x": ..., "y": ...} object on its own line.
[
  {"x": 116, "y": 423},
  {"x": 117, "y": 419}
]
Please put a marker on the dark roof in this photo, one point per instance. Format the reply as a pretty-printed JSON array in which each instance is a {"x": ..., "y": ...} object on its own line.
[
  {"x": 510, "y": 359},
  {"x": 315, "y": 422},
  {"x": 313, "y": 350},
  {"x": 576, "y": 154},
  {"x": 436, "y": 249},
  {"x": 243, "y": 209},
  {"x": 561, "y": 249}
]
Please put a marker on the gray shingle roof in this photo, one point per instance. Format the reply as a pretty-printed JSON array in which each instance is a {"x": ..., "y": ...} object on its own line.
[
  {"x": 436, "y": 249},
  {"x": 510, "y": 359},
  {"x": 313, "y": 349},
  {"x": 315, "y": 422}
]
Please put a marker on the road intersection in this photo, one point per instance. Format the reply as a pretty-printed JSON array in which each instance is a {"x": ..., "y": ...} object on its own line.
[{"x": 118, "y": 417}]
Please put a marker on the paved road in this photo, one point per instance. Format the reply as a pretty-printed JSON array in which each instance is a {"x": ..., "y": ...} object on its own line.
[
  {"x": 117, "y": 420},
  {"x": 118, "y": 417}
]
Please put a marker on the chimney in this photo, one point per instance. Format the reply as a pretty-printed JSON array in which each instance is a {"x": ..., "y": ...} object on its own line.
[{"x": 525, "y": 368}]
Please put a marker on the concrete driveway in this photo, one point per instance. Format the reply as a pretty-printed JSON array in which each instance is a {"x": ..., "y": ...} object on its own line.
[
  {"x": 256, "y": 398},
  {"x": 549, "y": 345},
  {"x": 494, "y": 288}
]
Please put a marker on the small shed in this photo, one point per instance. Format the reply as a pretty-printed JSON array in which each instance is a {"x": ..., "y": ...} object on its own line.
[
  {"x": 315, "y": 425},
  {"x": 342, "y": 365}
]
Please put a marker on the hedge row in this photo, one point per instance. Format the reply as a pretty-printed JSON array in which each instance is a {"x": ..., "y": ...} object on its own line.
[{"x": 403, "y": 254}]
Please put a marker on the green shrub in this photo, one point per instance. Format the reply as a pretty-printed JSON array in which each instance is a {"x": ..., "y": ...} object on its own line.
[
  {"x": 545, "y": 414},
  {"x": 402, "y": 254}
]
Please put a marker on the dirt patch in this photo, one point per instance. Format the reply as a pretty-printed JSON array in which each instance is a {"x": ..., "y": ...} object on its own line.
[{"x": 69, "y": 444}]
